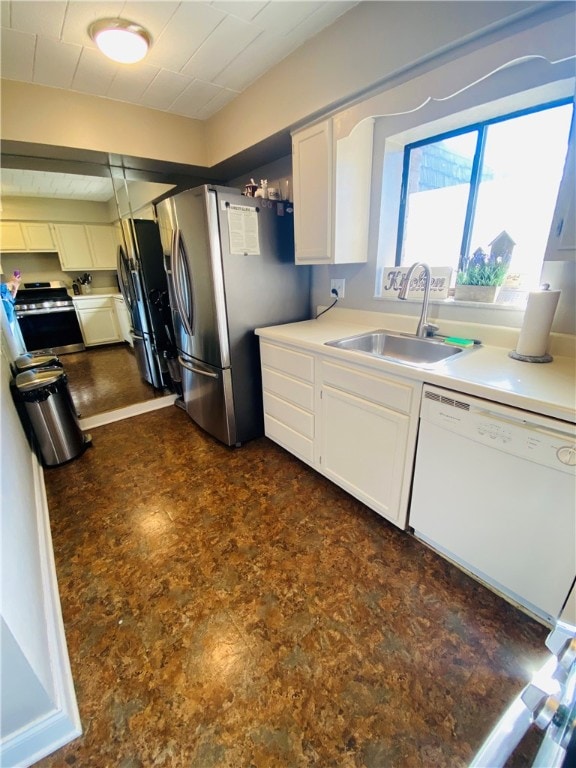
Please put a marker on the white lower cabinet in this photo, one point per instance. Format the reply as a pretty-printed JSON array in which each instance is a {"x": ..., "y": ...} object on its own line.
[
  {"x": 288, "y": 390},
  {"x": 98, "y": 322},
  {"x": 368, "y": 436},
  {"x": 123, "y": 317},
  {"x": 354, "y": 425}
]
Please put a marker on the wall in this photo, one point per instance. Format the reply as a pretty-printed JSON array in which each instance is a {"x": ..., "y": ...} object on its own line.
[
  {"x": 365, "y": 47},
  {"x": 41, "y": 115},
  {"x": 416, "y": 107},
  {"x": 33, "y": 642},
  {"x": 54, "y": 209}
]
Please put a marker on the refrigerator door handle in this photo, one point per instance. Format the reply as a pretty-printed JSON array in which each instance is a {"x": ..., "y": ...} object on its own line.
[
  {"x": 123, "y": 275},
  {"x": 178, "y": 272},
  {"x": 193, "y": 368}
]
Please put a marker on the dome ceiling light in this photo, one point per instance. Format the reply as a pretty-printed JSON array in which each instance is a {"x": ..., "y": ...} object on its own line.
[{"x": 120, "y": 40}]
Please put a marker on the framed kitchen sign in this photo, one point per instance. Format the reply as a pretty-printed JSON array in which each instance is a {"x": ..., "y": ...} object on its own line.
[{"x": 395, "y": 277}]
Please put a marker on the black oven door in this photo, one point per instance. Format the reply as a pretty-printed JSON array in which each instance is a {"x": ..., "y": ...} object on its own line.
[{"x": 57, "y": 330}]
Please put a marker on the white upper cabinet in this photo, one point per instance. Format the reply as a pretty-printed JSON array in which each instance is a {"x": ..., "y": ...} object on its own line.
[
  {"x": 562, "y": 239},
  {"x": 331, "y": 183},
  {"x": 103, "y": 245},
  {"x": 38, "y": 236},
  {"x": 86, "y": 246},
  {"x": 26, "y": 236},
  {"x": 312, "y": 184},
  {"x": 11, "y": 236}
]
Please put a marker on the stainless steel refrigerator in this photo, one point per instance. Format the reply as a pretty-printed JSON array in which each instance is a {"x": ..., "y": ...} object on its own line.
[
  {"x": 143, "y": 284},
  {"x": 230, "y": 262}
]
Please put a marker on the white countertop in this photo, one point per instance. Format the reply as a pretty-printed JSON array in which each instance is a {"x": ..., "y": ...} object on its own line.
[
  {"x": 484, "y": 371},
  {"x": 100, "y": 293}
]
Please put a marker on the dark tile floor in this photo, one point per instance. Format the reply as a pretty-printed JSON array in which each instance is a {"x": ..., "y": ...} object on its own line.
[
  {"x": 232, "y": 608},
  {"x": 105, "y": 378}
]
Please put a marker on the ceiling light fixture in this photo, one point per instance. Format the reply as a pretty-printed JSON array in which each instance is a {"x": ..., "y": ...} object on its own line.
[{"x": 120, "y": 40}]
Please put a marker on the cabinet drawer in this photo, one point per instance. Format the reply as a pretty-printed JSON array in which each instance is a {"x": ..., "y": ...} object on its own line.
[
  {"x": 390, "y": 392},
  {"x": 293, "y": 441},
  {"x": 290, "y": 415},
  {"x": 297, "y": 392},
  {"x": 295, "y": 363}
]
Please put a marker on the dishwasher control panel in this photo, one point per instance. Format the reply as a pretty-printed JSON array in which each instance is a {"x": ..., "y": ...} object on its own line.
[{"x": 528, "y": 436}]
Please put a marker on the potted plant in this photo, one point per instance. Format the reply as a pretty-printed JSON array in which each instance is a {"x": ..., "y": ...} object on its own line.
[{"x": 481, "y": 275}]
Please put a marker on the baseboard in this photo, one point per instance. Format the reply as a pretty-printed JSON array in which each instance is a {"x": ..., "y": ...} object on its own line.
[
  {"x": 60, "y": 726},
  {"x": 125, "y": 413}
]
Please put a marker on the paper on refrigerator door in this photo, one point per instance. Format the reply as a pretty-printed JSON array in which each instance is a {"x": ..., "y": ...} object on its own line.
[{"x": 243, "y": 230}]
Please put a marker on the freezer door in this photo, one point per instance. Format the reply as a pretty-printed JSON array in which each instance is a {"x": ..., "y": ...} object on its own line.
[
  {"x": 154, "y": 282},
  {"x": 207, "y": 393},
  {"x": 198, "y": 278}
]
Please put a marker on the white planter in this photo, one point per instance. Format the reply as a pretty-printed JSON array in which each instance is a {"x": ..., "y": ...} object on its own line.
[{"x": 485, "y": 293}]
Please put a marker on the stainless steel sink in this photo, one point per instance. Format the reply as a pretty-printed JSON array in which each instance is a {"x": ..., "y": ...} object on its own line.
[{"x": 399, "y": 348}]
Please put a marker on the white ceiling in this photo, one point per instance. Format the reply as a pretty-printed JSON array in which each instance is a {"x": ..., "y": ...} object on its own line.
[
  {"x": 203, "y": 53},
  {"x": 65, "y": 186}
]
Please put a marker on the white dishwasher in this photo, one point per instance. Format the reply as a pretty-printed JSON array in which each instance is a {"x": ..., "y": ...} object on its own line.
[{"x": 495, "y": 491}]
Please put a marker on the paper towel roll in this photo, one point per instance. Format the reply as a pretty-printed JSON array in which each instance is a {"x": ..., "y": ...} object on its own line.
[{"x": 535, "y": 331}]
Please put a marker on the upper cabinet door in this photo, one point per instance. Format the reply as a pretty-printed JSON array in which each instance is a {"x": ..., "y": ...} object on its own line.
[
  {"x": 103, "y": 244},
  {"x": 562, "y": 239},
  {"x": 332, "y": 194},
  {"x": 312, "y": 184},
  {"x": 38, "y": 236},
  {"x": 73, "y": 247},
  {"x": 11, "y": 236}
]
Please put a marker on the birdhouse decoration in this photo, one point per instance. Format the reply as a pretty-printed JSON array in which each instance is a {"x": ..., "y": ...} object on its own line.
[{"x": 485, "y": 271}]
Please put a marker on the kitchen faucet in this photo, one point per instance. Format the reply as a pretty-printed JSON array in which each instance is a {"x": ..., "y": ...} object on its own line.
[{"x": 424, "y": 327}]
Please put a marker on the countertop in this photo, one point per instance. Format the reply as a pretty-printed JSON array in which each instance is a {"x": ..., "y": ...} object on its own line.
[
  {"x": 100, "y": 293},
  {"x": 484, "y": 371}
]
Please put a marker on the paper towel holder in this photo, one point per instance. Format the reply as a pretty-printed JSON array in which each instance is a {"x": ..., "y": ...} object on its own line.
[
  {"x": 531, "y": 358},
  {"x": 544, "y": 358}
]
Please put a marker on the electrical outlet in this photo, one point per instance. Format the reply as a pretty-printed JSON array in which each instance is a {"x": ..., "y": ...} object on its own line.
[{"x": 337, "y": 284}]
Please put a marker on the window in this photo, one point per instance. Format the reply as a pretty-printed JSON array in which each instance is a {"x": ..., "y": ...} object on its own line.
[{"x": 491, "y": 185}]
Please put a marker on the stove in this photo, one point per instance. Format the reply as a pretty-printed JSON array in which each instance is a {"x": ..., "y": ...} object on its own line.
[{"x": 47, "y": 318}]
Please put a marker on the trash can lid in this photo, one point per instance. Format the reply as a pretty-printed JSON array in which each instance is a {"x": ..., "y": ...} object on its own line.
[
  {"x": 37, "y": 378},
  {"x": 26, "y": 362}
]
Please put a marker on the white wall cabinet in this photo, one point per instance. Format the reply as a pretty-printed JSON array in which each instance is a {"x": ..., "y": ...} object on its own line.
[
  {"x": 331, "y": 182},
  {"x": 312, "y": 184},
  {"x": 98, "y": 321},
  {"x": 86, "y": 246},
  {"x": 354, "y": 425},
  {"x": 561, "y": 244},
  {"x": 103, "y": 241},
  {"x": 26, "y": 236}
]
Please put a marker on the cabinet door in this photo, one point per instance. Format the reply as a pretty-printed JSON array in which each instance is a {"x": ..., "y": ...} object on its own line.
[
  {"x": 99, "y": 325},
  {"x": 562, "y": 239},
  {"x": 38, "y": 236},
  {"x": 312, "y": 183},
  {"x": 73, "y": 246},
  {"x": 11, "y": 236},
  {"x": 364, "y": 450},
  {"x": 103, "y": 244},
  {"x": 123, "y": 318}
]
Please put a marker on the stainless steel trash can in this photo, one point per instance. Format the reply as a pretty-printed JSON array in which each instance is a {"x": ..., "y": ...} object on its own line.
[
  {"x": 28, "y": 361},
  {"x": 49, "y": 407}
]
